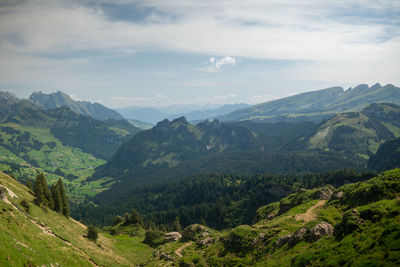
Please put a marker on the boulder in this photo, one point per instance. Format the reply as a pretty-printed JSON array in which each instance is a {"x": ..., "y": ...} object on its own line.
[
  {"x": 320, "y": 230},
  {"x": 325, "y": 193},
  {"x": 205, "y": 242},
  {"x": 172, "y": 236},
  {"x": 338, "y": 195}
]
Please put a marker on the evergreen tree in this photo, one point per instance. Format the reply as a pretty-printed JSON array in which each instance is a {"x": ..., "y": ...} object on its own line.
[
  {"x": 42, "y": 193},
  {"x": 64, "y": 198},
  {"x": 55, "y": 193}
]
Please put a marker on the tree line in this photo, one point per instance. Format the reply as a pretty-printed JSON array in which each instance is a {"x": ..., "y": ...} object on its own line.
[{"x": 216, "y": 200}]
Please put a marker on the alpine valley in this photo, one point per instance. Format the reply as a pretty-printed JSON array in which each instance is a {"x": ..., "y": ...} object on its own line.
[{"x": 307, "y": 180}]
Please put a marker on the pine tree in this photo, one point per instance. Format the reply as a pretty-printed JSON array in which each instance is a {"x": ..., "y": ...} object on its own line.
[
  {"x": 64, "y": 198},
  {"x": 42, "y": 193},
  {"x": 55, "y": 194}
]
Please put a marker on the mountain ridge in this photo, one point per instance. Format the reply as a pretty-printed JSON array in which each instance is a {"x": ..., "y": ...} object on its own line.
[
  {"x": 317, "y": 105},
  {"x": 60, "y": 99}
]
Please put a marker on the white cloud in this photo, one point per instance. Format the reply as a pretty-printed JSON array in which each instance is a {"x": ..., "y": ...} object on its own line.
[{"x": 216, "y": 64}]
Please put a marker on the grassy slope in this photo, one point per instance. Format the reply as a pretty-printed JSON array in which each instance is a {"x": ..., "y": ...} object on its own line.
[
  {"x": 22, "y": 240},
  {"x": 369, "y": 238},
  {"x": 51, "y": 156}
]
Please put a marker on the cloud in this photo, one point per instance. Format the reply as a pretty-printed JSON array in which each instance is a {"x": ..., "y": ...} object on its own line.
[{"x": 215, "y": 64}]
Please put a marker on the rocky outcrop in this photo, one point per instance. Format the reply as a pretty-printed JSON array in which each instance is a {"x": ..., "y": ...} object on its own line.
[
  {"x": 338, "y": 195},
  {"x": 325, "y": 193},
  {"x": 303, "y": 234},
  {"x": 320, "y": 230},
  {"x": 172, "y": 236}
]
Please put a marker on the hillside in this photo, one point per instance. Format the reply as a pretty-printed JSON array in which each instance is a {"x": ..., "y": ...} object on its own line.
[
  {"x": 387, "y": 157},
  {"x": 209, "y": 146},
  {"x": 172, "y": 142},
  {"x": 353, "y": 225},
  {"x": 42, "y": 237},
  {"x": 59, "y": 99},
  {"x": 100, "y": 138},
  {"x": 317, "y": 105},
  {"x": 358, "y": 133},
  {"x": 58, "y": 142}
]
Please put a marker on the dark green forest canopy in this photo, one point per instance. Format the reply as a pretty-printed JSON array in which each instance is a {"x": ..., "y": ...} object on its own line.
[{"x": 220, "y": 201}]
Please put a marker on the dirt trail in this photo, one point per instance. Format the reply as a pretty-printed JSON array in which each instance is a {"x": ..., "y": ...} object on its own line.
[
  {"x": 310, "y": 215},
  {"x": 178, "y": 251}
]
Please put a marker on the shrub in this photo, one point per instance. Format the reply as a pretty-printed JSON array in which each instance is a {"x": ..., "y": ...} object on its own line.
[
  {"x": 92, "y": 233},
  {"x": 154, "y": 238},
  {"x": 26, "y": 206}
]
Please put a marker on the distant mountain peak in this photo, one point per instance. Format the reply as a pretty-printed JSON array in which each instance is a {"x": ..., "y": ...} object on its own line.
[
  {"x": 181, "y": 120},
  {"x": 8, "y": 98},
  {"x": 375, "y": 86},
  {"x": 361, "y": 87},
  {"x": 60, "y": 99}
]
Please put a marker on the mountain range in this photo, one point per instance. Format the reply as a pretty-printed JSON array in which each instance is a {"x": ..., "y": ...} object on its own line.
[
  {"x": 59, "y": 99},
  {"x": 293, "y": 187},
  {"x": 154, "y": 115},
  {"x": 317, "y": 105}
]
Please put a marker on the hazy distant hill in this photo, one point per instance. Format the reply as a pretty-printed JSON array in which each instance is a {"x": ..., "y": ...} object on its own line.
[
  {"x": 200, "y": 115},
  {"x": 190, "y": 112},
  {"x": 317, "y": 105},
  {"x": 59, "y": 99}
]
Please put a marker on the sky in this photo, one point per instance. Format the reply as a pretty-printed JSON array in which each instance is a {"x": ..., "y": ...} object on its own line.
[{"x": 164, "y": 52}]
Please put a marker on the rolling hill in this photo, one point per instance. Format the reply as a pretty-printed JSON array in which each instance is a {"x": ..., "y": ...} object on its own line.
[{"x": 358, "y": 133}]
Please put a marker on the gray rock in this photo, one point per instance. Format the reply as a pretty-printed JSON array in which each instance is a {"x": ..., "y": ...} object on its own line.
[
  {"x": 325, "y": 193},
  {"x": 205, "y": 242},
  {"x": 172, "y": 236},
  {"x": 321, "y": 230},
  {"x": 338, "y": 195}
]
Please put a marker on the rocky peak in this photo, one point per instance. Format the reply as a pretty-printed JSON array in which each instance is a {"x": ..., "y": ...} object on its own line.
[
  {"x": 375, "y": 86},
  {"x": 361, "y": 87},
  {"x": 7, "y": 98},
  {"x": 180, "y": 120}
]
